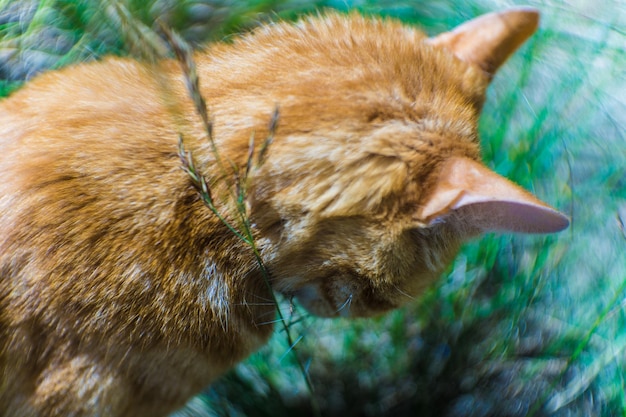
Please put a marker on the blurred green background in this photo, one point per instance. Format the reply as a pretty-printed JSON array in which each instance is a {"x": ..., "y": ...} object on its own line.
[{"x": 518, "y": 325}]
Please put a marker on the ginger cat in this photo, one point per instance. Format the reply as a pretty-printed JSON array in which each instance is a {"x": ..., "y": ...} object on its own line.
[{"x": 121, "y": 294}]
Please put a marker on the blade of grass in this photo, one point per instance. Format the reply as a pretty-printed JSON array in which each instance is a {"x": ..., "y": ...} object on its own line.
[{"x": 185, "y": 58}]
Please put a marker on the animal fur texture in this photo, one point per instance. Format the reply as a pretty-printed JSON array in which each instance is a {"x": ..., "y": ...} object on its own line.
[{"x": 121, "y": 294}]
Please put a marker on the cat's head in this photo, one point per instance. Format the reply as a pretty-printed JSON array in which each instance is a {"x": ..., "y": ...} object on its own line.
[{"x": 374, "y": 179}]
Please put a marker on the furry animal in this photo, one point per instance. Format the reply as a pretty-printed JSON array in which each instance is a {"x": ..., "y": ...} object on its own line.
[{"x": 121, "y": 294}]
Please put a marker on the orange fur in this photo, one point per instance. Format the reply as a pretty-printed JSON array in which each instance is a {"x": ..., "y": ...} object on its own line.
[{"x": 121, "y": 294}]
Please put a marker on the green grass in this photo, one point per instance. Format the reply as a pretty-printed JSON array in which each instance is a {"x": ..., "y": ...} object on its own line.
[{"x": 518, "y": 325}]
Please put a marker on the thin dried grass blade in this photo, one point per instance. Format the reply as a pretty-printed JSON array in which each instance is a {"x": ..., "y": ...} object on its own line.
[
  {"x": 270, "y": 137},
  {"x": 250, "y": 155},
  {"x": 143, "y": 42},
  {"x": 184, "y": 56},
  {"x": 198, "y": 180}
]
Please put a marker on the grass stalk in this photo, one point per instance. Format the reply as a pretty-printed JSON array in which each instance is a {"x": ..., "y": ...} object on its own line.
[{"x": 244, "y": 232}]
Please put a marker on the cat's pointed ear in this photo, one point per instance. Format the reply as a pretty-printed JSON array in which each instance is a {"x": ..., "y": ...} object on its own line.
[
  {"x": 486, "y": 201},
  {"x": 489, "y": 40}
]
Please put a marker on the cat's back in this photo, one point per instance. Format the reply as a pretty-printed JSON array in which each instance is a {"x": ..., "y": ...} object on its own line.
[
  {"x": 96, "y": 218},
  {"x": 108, "y": 93},
  {"x": 73, "y": 142}
]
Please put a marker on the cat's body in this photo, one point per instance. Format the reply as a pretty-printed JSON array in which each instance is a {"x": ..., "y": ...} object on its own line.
[{"x": 121, "y": 294}]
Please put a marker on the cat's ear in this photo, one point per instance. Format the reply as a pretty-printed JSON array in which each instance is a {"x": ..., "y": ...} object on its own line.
[
  {"x": 489, "y": 40},
  {"x": 486, "y": 201}
]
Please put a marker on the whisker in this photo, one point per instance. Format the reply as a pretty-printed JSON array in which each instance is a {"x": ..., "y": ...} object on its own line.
[
  {"x": 269, "y": 300},
  {"x": 297, "y": 320},
  {"x": 267, "y": 313},
  {"x": 269, "y": 322},
  {"x": 289, "y": 324},
  {"x": 293, "y": 345},
  {"x": 292, "y": 318},
  {"x": 410, "y": 297},
  {"x": 346, "y": 303},
  {"x": 254, "y": 304}
]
